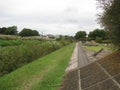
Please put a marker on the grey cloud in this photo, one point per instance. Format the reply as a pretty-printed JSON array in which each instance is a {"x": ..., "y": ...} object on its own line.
[
  {"x": 71, "y": 9},
  {"x": 68, "y": 19}
]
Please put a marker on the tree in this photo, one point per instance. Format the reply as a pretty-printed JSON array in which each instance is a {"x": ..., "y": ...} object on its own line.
[
  {"x": 11, "y": 30},
  {"x": 98, "y": 33},
  {"x": 110, "y": 18},
  {"x": 35, "y": 33},
  {"x": 28, "y": 32},
  {"x": 3, "y": 30},
  {"x": 80, "y": 35}
]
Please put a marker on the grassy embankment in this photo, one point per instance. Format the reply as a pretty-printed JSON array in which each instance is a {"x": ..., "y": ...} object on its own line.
[
  {"x": 96, "y": 48},
  {"x": 43, "y": 74},
  {"x": 15, "y": 56}
]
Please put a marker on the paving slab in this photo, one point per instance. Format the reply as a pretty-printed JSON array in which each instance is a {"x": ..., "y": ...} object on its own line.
[
  {"x": 95, "y": 76},
  {"x": 71, "y": 81},
  {"x": 117, "y": 78},
  {"x": 89, "y": 70},
  {"x": 106, "y": 85}
]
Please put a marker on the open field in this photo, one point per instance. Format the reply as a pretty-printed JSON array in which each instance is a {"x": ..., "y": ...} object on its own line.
[{"x": 43, "y": 74}]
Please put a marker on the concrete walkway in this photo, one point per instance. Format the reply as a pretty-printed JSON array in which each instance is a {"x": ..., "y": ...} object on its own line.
[
  {"x": 82, "y": 57},
  {"x": 73, "y": 64},
  {"x": 78, "y": 60},
  {"x": 71, "y": 78}
]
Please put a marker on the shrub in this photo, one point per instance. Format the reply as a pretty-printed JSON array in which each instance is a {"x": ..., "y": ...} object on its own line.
[{"x": 98, "y": 40}]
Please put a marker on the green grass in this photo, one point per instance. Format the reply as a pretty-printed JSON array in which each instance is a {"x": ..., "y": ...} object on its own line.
[
  {"x": 96, "y": 48},
  {"x": 19, "y": 42},
  {"x": 10, "y": 42},
  {"x": 43, "y": 74}
]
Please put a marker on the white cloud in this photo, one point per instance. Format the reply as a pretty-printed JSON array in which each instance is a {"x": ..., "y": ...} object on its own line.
[{"x": 49, "y": 16}]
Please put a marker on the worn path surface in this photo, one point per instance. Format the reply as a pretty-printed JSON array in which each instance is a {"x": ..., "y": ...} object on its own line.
[{"x": 79, "y": 59}]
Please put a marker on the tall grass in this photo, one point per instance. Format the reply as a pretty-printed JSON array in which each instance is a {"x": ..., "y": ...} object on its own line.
[
  {"x": 12, "y": 57},
  {"x": 10, "y": 42},
  {"x": 16, "y": 37}
]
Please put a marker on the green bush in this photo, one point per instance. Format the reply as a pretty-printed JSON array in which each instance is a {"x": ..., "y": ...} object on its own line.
[{"x": 98, "y": 40}]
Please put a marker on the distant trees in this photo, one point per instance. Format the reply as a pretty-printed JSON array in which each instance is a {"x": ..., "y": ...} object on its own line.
[
  {"x": 98, "y": 33},
  {"x": 2, "y": 30},
  {"x": 110, "y": 18},
  {"x": 80, "y": 35},
  {"x": 13, "y": 31},
  {"x": 28, "y": 32},
  {"x": 8, "y": 30}
]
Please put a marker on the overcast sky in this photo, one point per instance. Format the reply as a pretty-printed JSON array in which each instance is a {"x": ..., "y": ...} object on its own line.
[{"x": 50, "y": 16}]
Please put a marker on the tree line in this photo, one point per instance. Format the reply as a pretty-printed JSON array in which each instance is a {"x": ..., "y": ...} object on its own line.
[
  {"x": 109, "y": 19},
  {"x": 13, "y": 31},
  {"x": 97, "y": 34}
]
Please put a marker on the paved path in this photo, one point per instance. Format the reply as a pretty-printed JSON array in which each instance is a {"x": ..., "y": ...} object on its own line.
[
  {"x": 85, "y": 74},
  {"x": 78, "y": 60},
  {"x": 82, "y": 57},
  {"x": 94, "y": 76},
  {"x": 82, "y": 61}
]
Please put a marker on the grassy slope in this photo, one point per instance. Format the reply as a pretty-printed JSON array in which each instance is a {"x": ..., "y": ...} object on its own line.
[
  {"x": 43, "y": 74},
  {"x": 96, "y": 48}
]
